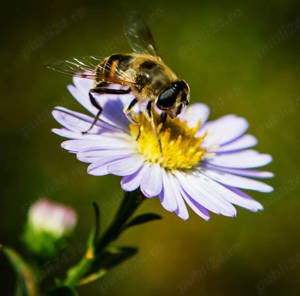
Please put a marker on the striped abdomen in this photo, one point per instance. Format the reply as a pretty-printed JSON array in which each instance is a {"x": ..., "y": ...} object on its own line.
[{"x": 113, "y": 69}]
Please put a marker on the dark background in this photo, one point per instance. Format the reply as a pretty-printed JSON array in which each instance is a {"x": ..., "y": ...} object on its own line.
[{"x": 239, "y": 57}]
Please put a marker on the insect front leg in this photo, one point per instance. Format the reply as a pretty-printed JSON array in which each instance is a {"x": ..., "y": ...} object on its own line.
[
  {"x": 128, "y": 113},
  {"x": 149, "y": 109},
  {"x": 163, "y": 117},
  {"x": 100, "y": 109},
  {"x": 99, "y": 89}
]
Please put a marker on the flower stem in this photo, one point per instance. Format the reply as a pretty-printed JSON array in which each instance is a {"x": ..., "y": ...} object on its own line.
[{"x": 130, "y": 203}]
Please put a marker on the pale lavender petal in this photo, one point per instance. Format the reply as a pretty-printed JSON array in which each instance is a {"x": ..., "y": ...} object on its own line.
[
  {"x": 74, "y": 121},
  {"x": 243, "y": 142},
  {"x": 246, "y": 201},
  {"x": 83, "y": 84},
  {"x": 113, "y": 112},
  {"x": 115, "y": 164},
  {"x": 132, "y": 182},
  {"x": 223, "y": 130},
  {"x": 82, "y": 97},
  {"x": 75, "y": 146},
  {"x": 242, "y": 159},
  {"x": 151, "y": 184},
  {"x": 125, "y": 166},
  {"x": 241, "y": 172},
  {"x": 112, "y": 105},
  {"x": 189, "y": 186},
  {"x": 236, "y": 181},
  {"x": 197, "y": 187},
  {"x": 63, "y": 132},
  {"x": 95, "y": 154},
  {"x": 196, "y": 207},
  {"x": 80, "y": 91},
  {"x": 101, "y": 142},
  {"x": 181, "y": 211},
  {"x": 194, "y": 113},
  {"x": 99, "y": 167},
  {"x": 232, "y": 197},
  {"x": 78, "y": 135},
  {"x": 167, "y": 195}
]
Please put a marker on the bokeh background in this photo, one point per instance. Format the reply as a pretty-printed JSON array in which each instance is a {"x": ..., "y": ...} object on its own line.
[{"x": 239, "y": 57}]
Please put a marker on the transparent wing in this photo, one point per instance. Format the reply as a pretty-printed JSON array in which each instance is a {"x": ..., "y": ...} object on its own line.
[
  {"x": 87, "y": 67},
  {"x": 84, "y": 67},
  {"x": 138, "y": 34}
]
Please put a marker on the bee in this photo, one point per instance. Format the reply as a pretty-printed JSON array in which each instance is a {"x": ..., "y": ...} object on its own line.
[{"x": 142, "y": 72}]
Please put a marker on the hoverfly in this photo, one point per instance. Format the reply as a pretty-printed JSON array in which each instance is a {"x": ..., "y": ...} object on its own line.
[{"x": 142, "y": 71}]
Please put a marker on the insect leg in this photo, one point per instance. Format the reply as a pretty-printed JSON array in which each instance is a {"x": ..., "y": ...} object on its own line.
[
  {"x": 103, "y": 90},
  {"x": 127, "y": 111},
  {"x": 149, "y": 109},
  {"x": 163, "y": 117},
  {"x": 102, "y": 84},
  {"x": 95, "y": 104},
  {"x": 99, "y": 89}
]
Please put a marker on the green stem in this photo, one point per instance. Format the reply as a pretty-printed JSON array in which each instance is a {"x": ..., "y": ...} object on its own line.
[
  {"x": 128, "y": 206},
  {"x": 130, "y": 203}
]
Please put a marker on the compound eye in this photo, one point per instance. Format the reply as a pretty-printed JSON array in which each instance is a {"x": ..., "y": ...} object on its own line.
[{"x": 167, "y": 98}]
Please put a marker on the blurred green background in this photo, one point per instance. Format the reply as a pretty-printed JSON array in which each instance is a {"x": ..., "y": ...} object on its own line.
[{"x": 239, "y": 57}]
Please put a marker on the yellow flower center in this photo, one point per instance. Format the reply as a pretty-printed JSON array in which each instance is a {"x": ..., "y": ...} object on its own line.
[{"x": 180, "y": 149}]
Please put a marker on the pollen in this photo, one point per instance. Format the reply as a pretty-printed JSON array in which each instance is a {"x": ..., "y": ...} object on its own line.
[{"x": 180, "y": 148}]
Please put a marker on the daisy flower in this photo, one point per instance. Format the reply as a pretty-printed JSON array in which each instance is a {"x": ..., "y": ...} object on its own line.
[{"x": 203, "y": 165}]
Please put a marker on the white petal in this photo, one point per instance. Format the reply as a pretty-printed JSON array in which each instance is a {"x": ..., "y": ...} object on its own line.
[
  {"x": 151, "y": 184},
  {"x": 74, "y": 121},
  {"x": 194, "y": 113},
  {"x": 99, "y": 167},
  {"x": 82, "y": 96},
  {"x": 112, "y": 105},
  {"x": 243, "y": 159},
  {"x": 63, "y": 132},
  {"x": 244, "y": 200},
  {"x": 223, "y": 130},
  {"x": 198, "y": 188},
  {"x": 113, "y": 110},
  {"x": 101, "y": 143},
  {"x": 83, "y": 84},
  {"x": 125, "y": 166},
  {"x": 167, "y": 196},
  {"x": 181, "y": 211},
  {"x": 237, "y": 181},
  {"x": 132, "y": 182},
  {"x": 96, "y": 155},
  {"x": 243, "y": 142},
  {"x": 242, "y": 172},
  {"x": 196, "y": 207},
  {"x": 238, "y": 198}
]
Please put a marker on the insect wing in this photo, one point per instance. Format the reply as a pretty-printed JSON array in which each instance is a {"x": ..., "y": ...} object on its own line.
[
  {"x": 87, "y": 67},
  {"x": 84, "y": 67},
  {"x": 139, "y": 35}
]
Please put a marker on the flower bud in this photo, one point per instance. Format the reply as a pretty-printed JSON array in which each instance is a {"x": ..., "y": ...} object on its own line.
[{"x": 48, "y": 225}]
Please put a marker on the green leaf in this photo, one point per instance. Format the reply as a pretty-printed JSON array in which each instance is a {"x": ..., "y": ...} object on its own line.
[
  {"x": 94, "y": 234},
  {"x": 93, "y": 277},
  {"x": 26, "y": 280},
  {"x": 110, "y": 258},
  {"x": 143, "y": 218},
  {"x": 115, "y": 255},
  {"x": 62, "y": 291}
]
